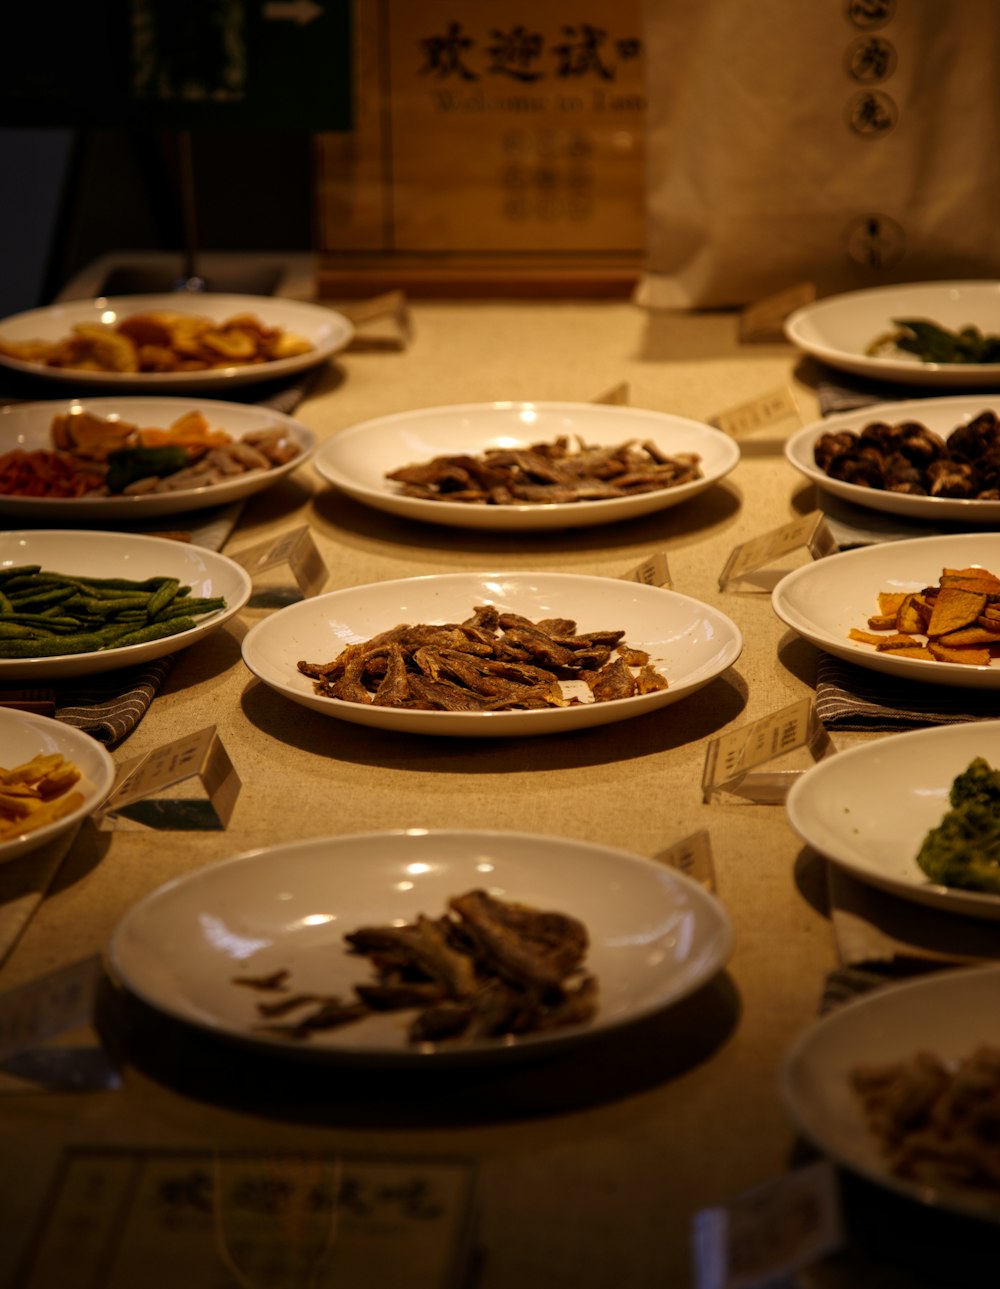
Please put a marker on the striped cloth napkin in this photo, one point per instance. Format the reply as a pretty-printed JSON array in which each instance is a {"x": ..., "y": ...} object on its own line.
[{"x": 855, "y": 698}]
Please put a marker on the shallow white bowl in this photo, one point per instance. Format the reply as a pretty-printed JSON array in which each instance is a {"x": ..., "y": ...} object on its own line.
[
  {"x": 28, "y": 426},
  {"x": 325, "y": 330},
  {"x": 942, "y": 415},
  {"x": 357, "y": 459},
  {"x": 655, "y": 936},
  {"x": 23, "y": 735},
  {"x": 949, "y": 1013},
  {"x": 869, "y": 808},
  {"x": 837, "y": 330},
  {"x": 689, "y": 642},
  {"x": 99, "y": 554},
  {"x": 822, "y": 601}
]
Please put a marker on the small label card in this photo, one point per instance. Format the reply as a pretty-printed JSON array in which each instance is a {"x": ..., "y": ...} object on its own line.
[
  {"x": 759, "y": 1239},
  {"x": 50, "y": 1005},
  {"x": 811, "y": 531},
  {"x": 617, "y": 395},
  {"x": 203, "y": 1219},
  {"x": 297, "y": 551},
  {"x": 654, "y": 571},
  {"x": 392, "y": 306},
  {"x": 772, "y": 408},
  {"x": 732, "y": 760},
  {"x": 693, "y": 858},
  {"x": 764, "y": 319},
  {"x": 199, "y": 755}
]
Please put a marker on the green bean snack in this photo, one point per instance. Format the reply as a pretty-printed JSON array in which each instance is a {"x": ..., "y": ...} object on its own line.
[{"x": 45, "y": 614}]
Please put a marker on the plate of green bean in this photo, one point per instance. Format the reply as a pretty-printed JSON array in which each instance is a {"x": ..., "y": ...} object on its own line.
[{"x": 77, "y": 603}]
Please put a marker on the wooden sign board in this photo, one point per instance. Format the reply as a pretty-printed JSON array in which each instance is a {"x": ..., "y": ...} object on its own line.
[{"x": 489, "y": 146}]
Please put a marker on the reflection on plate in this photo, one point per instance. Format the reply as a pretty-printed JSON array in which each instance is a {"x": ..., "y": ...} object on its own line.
[
  {"x": 869, "y": 808},
  {"x": 824, "y": 600},
  {"x": 655, "y": 936},
  {"x": 689, "y": 642},
  {"x": 98, "y": 554},
  {"x": 839, "y": 329},
  {"x": 942, "y": 415},
  {"x": 950, "y": 1014},
  {"x": 24, "y": 736},
  {"x": 27, "y": 426},
  {"x": 327, "y": 332},
  {"x": 357, "y": 459}
]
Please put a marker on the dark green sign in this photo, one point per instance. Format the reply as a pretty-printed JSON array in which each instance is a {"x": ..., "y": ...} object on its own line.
[{"x": 198, "y": 64}]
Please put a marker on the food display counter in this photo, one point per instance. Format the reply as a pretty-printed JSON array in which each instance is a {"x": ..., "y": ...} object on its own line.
[{"x": 584, "y": 1163}]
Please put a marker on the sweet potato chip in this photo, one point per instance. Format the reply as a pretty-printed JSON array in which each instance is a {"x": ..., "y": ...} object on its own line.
[
  {"x": 968, "y": 656},
  {"x": 955, "y": 608}
]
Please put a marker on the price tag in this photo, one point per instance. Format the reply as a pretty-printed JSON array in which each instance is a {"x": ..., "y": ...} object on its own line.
[
  {"x": 811, "y": 531},
  {"x": 732, "y": 756},
  {"x": 199, "y": 755},
  {"x": 693, "y": 858},
  {"x": 764, "y": 319},
  {"x": 768, "y": 409},
  {"x": 43, "y": 1008},
  {"x": 298, "y": 551},
  {"x": 761, "y": 1238},
  {"x": 617, "y": 395},
  {"x": 393, "y": 306},
  {"x": 654, "y": 571}
]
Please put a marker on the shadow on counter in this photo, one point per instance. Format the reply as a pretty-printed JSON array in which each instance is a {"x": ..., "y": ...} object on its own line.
[{"x": 302, "y": 1086}]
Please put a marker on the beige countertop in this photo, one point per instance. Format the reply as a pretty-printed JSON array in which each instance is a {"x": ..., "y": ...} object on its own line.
[{"x": 593, "y": 1162}]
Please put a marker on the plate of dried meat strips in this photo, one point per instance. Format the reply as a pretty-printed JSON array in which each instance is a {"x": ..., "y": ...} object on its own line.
[
  {"x": 417, "y": 945},
  {"x": 492, "y": 654},
  {"x": 524, "y": 465}
]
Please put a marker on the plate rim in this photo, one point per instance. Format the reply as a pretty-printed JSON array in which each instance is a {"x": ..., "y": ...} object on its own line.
[
  {"x": 512, "y": 723},
  {"x": 954, "y": 900},
  {"x": 708, "y": 905},
  {"x": 575, "y": 514},
  {"x": 876, "y": 999}
]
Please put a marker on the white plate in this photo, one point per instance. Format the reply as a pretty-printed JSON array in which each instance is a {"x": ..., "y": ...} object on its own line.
[
  {"x": 98, "y": 554},
  {"x": 23, "y": 736},
  {"x": 689, "y": 642},
  {"x": 823, "y": 600},
  {"x": 869, "y": 808},
  {"x": 327, "y": 331},
  {"x": 655, "y": 936},
  {"x": 949, "y": 1013},
  {"x": 839, "y": 329},
  {"x": 28, "y": 426},
  {"x": 357, "y": 459},
  {"x": 942, "y": 415}
]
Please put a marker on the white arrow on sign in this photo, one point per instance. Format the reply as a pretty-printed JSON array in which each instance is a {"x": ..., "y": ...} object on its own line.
[{"x": 300, "y": 11}]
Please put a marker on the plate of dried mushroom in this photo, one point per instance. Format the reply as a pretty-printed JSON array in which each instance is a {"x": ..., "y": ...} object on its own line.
[
  {"x": 134, "y": 457},
  {"x": 930, "y": 458},
  {"x": 492, "y": 654},
  {"x": 421, "y": 945},
  {"x": 179, "y": 341},
  {"x": 526, "y": 465}
]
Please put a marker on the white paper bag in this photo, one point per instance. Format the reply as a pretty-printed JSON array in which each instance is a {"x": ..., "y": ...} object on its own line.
[{"x": 849, "y": 143}]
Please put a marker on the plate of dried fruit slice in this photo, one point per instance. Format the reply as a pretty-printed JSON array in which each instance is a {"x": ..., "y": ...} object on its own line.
[
  {"x": 507, "y": 943},
  {"x": 526, "y": 465},
  {"x": 492, "y": 655}
]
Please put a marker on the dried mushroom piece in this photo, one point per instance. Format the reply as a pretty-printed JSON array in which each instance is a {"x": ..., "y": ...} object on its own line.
[{"x": 492, "y": 662}]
